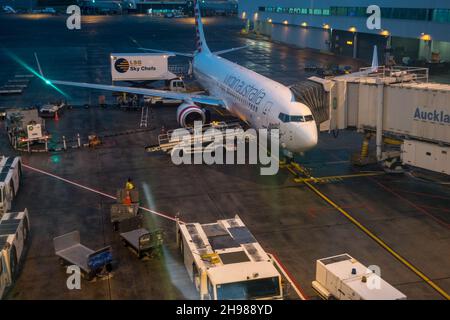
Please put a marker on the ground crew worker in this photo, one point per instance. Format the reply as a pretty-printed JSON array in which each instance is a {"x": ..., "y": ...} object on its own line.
[{"x": 129, "y": 185}]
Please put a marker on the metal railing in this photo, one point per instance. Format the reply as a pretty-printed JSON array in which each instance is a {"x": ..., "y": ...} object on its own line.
[
  {"x": 399, "y": 73},
  {"x": 179, "y": 69}
]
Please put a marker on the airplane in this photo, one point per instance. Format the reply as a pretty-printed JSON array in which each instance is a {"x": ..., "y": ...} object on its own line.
[
  {"x": 259, "y": 101},
  {"x": 374, "y": 68}
]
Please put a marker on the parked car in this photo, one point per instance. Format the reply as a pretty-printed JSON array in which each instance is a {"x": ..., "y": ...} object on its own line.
[
  {"x": 49, "y": 10},
  {"x": 49, "y": 110}
]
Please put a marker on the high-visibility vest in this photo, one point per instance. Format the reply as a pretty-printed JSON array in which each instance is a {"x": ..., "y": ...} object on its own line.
[{"x": 127, "y": 200}]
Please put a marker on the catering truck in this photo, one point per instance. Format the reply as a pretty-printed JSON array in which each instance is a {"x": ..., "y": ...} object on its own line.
[
  {"x": 342, "y": 277},
  {"x": 14, "y": 231},
  {"x": 225, "y": 262},
  {"x": 140, "y": 67},
  {"x": 10, "y": 175}
]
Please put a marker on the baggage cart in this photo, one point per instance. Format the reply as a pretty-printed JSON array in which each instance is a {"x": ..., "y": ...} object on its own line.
[
  {"x": 143, "y": 242},
  {"x": 71, "y": 252},
  {"x": 121, "y": 211}
]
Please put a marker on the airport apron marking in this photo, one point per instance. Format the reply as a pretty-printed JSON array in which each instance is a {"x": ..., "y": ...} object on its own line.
[
  {"x": 290, "y": 278},
  {"x": 380, "y": 242},
  {"x": 95, "y": 191},
  {"x": 294, "y": 284}
]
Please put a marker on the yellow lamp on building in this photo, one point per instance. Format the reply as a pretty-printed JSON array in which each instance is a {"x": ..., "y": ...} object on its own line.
[{"x": 425, "y": 37}]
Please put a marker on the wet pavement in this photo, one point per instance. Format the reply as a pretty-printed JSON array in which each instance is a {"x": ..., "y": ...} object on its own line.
[{"x": 287, "y": 218}]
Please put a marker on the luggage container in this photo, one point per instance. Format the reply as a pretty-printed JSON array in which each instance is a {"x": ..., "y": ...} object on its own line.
[
  {"x": 10, "y": 175},
  {"x": 14, "y": 231}
]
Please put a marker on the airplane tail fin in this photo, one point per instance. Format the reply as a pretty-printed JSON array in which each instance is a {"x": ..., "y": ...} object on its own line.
[
  {"x": 201, "y": 45},
  {"x": 375, "y": 59}
]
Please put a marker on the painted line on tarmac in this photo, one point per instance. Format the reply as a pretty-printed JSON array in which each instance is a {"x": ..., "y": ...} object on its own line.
[
  {"x": 93, "y": 190},
  {"x": 412, "y": 204},
  {"x": 289, "y": 277},
  {"x": 282, "y": 268},
  {"x": 380, "y": 242}
]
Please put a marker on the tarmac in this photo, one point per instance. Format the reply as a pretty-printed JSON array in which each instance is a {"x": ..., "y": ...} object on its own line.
[{"x": 289, "y": 219}]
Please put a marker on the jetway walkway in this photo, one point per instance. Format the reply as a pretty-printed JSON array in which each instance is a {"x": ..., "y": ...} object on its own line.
[
  {"x": 398, "y": 103},
  {"x": 313, "y": 95}
]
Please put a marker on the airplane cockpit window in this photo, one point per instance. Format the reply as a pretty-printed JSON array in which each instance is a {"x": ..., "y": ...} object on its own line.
[
  {"x": 283, "y": 117},
  {"x": 289, "y": 118},
  {"x": 297, "y": 119}
]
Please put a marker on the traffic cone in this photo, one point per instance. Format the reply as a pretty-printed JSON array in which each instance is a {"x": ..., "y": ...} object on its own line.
[{"x": 56, "y": 116}]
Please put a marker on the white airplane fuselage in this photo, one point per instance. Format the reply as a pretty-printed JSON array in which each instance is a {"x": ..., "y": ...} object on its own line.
[{"x": 260, "y": 101}]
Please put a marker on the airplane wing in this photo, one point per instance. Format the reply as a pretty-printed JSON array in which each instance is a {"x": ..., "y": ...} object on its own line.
[
  {"x": 191, "y": 55},
  {"x": 173, "y": 53},
  {"x": 203, "y": 99},
  {"x": 218, "y": 53}
]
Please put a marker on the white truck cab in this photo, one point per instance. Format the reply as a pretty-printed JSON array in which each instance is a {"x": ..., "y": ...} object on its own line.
[
  {"x": 225, "y": 262},
  {"x": 10, "y": 175},
  {"x": 177, "y": 85}
]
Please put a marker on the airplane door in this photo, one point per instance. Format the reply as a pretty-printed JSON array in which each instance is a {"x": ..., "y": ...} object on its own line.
[
  {"x": 267, "y": 107},
  {"x": 266, "y": 113}
]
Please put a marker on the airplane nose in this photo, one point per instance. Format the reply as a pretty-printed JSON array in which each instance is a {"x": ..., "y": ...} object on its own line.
[
  {"x": 309, "y": 137},
  {"x": 301, "y": 138},
  {"x": 313, "y": 136},
  {"x": 306, "y": 137}
]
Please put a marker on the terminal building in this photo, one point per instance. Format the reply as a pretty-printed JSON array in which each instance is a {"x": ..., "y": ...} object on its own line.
[
  {"x": 411, "y": 30},
  {"x": 210, "y": 7}
]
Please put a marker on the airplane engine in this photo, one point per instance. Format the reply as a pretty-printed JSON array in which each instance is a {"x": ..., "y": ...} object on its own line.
[{"x": 188, "y": 113}]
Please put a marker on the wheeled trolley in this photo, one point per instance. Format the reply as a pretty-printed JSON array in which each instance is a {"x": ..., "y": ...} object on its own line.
[
  {"x": 71, "y": 252},
  {"x": 120, "y": 210},
  {"x": 143, "y": 242}
]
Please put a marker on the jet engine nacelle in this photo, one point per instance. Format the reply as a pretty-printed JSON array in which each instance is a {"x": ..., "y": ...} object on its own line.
[{"x": 188, "y": 113}]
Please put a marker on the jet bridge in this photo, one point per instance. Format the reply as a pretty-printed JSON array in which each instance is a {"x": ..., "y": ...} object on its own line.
[
  {"x": 396, "y": 105},
  {"x": 313, "y": 94}
]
